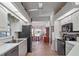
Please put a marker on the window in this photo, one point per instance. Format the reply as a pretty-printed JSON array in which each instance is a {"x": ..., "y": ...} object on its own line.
[
  {"x": 6, "y": 33},
  {"x": 3, "y": 34}
]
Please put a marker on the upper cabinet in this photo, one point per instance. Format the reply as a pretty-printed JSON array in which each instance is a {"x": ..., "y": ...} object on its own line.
[
  {"x": 75, "y": 21},
  {"x": 66, "y": 20},
  {"x": 3, "y": 19},
  {"x": 18, "y": 26},
  {"x": 15, "y": 24}
]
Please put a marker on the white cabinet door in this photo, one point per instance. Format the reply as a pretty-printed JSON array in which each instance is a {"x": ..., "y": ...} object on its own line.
[
  {"x": 3, "y": 19},
  {"x": 23, "y": 48},
  {"x": 75, "y": 20},
  {"x": 66, "y": 20},
  {"x": 18, "y": 26}
]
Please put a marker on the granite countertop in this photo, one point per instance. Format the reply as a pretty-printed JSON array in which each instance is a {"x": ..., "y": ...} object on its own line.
[
  {"x": 72, "y": 42},
  {"x": 8, "y": 46},
  {"x": 75, "y": 49}
]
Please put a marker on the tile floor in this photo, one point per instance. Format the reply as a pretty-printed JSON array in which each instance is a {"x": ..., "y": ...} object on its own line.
[{"x": 40, "y": 48}]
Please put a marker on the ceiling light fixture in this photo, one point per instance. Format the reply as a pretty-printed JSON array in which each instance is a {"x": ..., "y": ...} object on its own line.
[
  {"x": 40, "y": 6},
  {"x": 32, "y": 9},
  {"x": 77, "y": 3}
]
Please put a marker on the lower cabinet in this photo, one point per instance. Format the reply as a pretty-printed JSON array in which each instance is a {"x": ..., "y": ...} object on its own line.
[
  {"x": 12, "y": 52},
  {"x": 19, "y": 50},
  {"x": 23, "y": 48}
]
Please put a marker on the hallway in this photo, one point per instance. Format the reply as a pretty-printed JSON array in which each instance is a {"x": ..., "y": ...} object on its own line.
[{"x": 40, "y": 48}]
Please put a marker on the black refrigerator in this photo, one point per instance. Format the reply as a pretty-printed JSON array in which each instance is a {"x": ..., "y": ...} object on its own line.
[{"x": 26, "y": 33}]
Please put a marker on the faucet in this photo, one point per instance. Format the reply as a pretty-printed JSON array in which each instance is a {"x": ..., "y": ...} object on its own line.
[{"x": 13, "y": 38}]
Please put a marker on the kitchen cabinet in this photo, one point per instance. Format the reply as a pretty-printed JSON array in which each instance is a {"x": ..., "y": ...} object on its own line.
[
  {"x": 75, "y": 21},
  {"x": 15, "y": 24},
  {"x": 23, "y": 48},
  {"x": 3, "y": 19},
  {"x": 12, "y": 23},
  {"x": 12, "y": 52},
  {"x": 66, "y": 20},
  {"x": 18, "y": 26}
]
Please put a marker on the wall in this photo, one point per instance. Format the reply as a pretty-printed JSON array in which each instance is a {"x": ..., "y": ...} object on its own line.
[
  {"x": 52, "y": 33},
  {"x": 5, "y": 39},
  {"x": 57, "y": 32},
  {"x": 40, "y": 24},
  {"x": 44, "y": 18}
]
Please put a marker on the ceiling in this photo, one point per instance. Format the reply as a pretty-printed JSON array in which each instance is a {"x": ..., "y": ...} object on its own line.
[
  {"x": 42, "y": 14},
  {"x": 48, "y": 8}
]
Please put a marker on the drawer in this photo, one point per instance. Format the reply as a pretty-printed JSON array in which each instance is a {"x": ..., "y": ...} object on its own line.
[
  {"x": 23, "y": 48},
  {"x": 12, "y": 52}
]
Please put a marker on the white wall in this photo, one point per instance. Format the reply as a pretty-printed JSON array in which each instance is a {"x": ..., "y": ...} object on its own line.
[
  {"x": 51, "y": 33},
  {"x": 43, "y": 18},
  {"x": 5, "y": 39},
  {"x": 57, "y": 32},
  {"x": 40, "y": 24}
]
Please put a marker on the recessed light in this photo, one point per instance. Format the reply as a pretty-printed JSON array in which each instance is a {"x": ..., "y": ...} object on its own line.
[{"x": 77, "y": 3}]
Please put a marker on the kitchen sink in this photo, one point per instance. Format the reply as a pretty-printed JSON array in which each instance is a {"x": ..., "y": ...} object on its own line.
[{"x": 14, "y": 41}]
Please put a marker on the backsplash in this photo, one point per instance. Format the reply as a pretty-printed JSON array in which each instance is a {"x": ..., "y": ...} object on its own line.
[{"x": 5, "y": 39}]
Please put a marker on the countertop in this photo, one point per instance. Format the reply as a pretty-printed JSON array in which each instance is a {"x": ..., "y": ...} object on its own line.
[
  {"x": 72, "y": 42},
  {"x": 75, "y": 49},
  {"x": 8, "y": 46}
]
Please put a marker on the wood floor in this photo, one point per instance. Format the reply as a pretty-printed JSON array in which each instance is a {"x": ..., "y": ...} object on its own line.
[{"x": 40, "y": 48}]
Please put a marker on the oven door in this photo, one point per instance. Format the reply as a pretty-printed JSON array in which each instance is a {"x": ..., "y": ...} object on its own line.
[{"x": 61, "y": 47}]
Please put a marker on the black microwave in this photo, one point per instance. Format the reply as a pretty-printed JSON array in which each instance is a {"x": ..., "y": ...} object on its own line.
[{"x": 67, "y": 27}]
